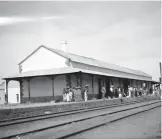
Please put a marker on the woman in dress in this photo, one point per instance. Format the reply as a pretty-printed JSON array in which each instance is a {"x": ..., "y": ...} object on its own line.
[
  {"x": 85, "y": 93},
  {"x": 120, "y": 93}
]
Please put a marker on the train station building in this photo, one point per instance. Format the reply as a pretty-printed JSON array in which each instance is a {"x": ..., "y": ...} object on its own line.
[{"x": 46, "y": 72}]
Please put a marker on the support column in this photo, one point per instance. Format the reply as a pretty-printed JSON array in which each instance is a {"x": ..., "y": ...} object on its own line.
[
  {"x": 68, "y": 80},
  {"x": 53, "y": 93},
  {"x": 93, "y": 85},
  {"x": 28, "y": 80},
  {"x": 119, "y": 82},
  {"x": 6, "y": 95},
  {"x": 81, "y": 81},
  {"x": 21, "y": 90},
  {"x": 78, "y": 82}
]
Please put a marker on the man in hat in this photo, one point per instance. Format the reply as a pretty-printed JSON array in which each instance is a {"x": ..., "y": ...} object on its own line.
[
  {"x": 67, "y": 94},
  {"x": 119, "y": 92},
  {"x": 77, "y": 94},
  {"x": 111, "y": 91},
  {"x": 71, "y": 95},
  {"x": 130, "y": 89},
  {"x": 103, "y": 91}
]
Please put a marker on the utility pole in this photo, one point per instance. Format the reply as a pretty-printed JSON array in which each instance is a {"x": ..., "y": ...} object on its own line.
[
  {"x": 160, "y": 77},
  {"x": 160, "y": 70}
]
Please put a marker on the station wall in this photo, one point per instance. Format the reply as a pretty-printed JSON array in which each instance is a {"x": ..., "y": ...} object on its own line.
[
  {"x": 41, "y": 89},
  {"x": 43, "y": 59}
]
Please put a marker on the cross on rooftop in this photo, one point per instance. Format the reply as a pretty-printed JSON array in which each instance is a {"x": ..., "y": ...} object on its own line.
[{"x": 64, "y": 42}]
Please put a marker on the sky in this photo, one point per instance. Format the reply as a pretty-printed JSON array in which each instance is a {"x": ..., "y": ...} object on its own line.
[{"x": 124, "y": 33}]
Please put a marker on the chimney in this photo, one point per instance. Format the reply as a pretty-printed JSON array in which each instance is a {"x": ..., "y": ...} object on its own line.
[{"x": 64, "y": 45}]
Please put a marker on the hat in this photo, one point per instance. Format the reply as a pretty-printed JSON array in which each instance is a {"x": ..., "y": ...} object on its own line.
[
  {"x": 78, "y": 87},
  {"x": 111, "y": 86},
  {"x": 67, "y": 87}
]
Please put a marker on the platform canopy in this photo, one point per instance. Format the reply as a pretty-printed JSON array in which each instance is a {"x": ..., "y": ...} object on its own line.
[{"x": 68, "y": 70}]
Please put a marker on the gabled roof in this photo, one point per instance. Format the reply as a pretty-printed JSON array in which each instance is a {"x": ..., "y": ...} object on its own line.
[{"x": 91, "y": 61}]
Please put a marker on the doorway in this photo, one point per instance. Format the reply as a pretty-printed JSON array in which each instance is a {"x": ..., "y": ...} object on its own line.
[
  {"x": 126, "y": 83},
  {"x": 99, "y": 88},
  {"x": 107, "y": 88}
]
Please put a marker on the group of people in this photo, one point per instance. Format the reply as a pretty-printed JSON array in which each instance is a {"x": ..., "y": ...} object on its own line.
[
  {"x": 71, "y": 94},
  {"x": 156, "y": 91},
  {"x": 68, "y": 94},
  {"x": 120, "y": 92}
]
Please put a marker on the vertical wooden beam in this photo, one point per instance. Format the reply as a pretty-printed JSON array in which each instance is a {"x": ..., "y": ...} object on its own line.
[
  {"x": 68, "y": 80},
  {"x": 78, "y": 83},
  {"x": 93, "y": 85},
  {"x": 6, "y": 91},
  {"x": 119, "y": 82},
  {"x": 53, "y": 92},
  {"x": 28, "y": 80},
  {"x": 21, "y": 90},
  {"x": 81, "y": 81}
]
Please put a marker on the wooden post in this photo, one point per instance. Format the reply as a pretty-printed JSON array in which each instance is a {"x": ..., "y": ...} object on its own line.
[
  {"x": 21, "y": 90},
  {"x": 28, "y": 80},
  {"x": 6, "y": 91},
  {"x": 78, "y": 82},
  {"x": 53, "y": 93},
  {"x": 93, "y": 85},
  {"x": 81, "y": 81}
]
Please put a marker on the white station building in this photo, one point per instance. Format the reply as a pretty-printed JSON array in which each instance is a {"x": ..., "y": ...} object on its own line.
[{"x": 46, "y": 72}]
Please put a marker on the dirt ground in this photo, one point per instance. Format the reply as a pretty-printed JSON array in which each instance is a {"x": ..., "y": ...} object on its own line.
[{"x": 146, "y": 125}]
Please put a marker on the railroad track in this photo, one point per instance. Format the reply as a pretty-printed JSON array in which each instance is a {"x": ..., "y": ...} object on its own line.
[
  {"x": 54, "y": 115},
  {"x": 117, "y": 114}
]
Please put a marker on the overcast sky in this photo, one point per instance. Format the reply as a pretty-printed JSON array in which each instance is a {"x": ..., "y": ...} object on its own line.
[{"x": 123, "y": 33}]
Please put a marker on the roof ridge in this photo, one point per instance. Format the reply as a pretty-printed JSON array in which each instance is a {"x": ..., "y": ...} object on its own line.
[
  {"x": 98, "y": 60},
  {"x": 71, "y": 53}
]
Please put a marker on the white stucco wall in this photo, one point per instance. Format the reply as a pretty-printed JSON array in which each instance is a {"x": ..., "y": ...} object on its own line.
[
  {"x": 42, "y": 86},
  {"x": 43, "y": 59},
  {"x": 2, "y": 96}
]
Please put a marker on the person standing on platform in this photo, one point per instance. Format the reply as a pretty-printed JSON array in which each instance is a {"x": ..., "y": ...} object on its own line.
[
  {"x": 85, "y": 93},
  {"x": 67, "y": 94},
  {"x": 120, "y": 93},
  {"x": 103, "y": 91},
  {"x": 129, "y": 91},
  {"x": 71, "y": 95},
  {"x": 111, "y": 91},
  {"x": 136, "y": 92},
  {"x": 64, "y": 95}
]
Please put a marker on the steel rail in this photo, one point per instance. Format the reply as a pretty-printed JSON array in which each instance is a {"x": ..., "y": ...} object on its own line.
[
  {"x": 54, "y": 115},
  {"x": 78, "y": 120},
  {"x": 103, "y": 124}
]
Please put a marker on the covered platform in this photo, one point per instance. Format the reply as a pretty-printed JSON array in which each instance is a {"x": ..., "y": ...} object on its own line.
[{"x": 70, "y": 76}]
